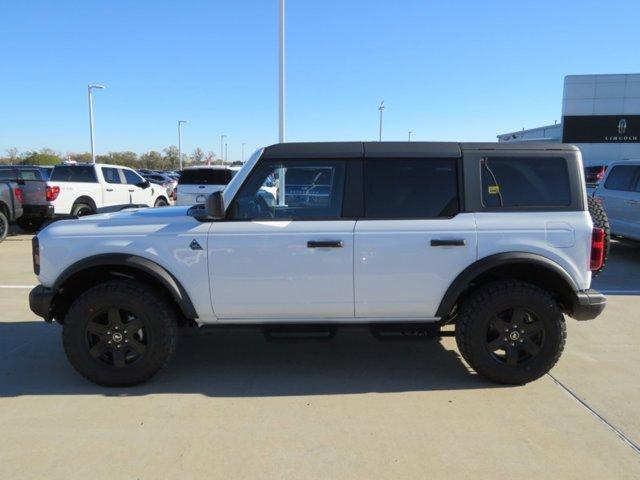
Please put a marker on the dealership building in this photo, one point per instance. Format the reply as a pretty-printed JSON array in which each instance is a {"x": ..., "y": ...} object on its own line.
[{"x": 600, "y": 114}]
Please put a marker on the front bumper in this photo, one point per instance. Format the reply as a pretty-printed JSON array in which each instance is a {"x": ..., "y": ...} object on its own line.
[
  {"x": 40, "y": 299},
  {"x": 588, "y": 304}
]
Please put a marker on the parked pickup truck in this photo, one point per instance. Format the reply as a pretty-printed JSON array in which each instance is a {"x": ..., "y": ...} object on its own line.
[
  {"x": 493, "y": 239},
  {"x": 83, "y": 189},
  {"x": 10, "y": 206},
  {"x": 37, "y": 194}
]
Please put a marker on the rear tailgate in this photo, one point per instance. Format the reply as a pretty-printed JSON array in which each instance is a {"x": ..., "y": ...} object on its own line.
[
  {"x": 34, "y": 192},
  {"x": 197, "y": 184}
]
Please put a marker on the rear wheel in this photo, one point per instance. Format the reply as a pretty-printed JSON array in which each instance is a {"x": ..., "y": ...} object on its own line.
[
  {"x": 600, "y": 220},
  {"x": 82, "y": 209},
  {"x": 119, "y": 333},
  {"x": 510, "y": 332},
  {"x": 161, "y": 202},
  {"x": 4, "y": 226}
]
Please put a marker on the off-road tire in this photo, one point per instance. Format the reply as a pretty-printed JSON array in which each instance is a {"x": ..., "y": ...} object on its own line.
[
  {"x": 601, "y": 220},
  {"x": 157, "y": 316},
  {"x": 480, "y": 308},
  {"x": 4, "y": 226},
  {"x": 82, "y": 209},
  {"x": 30, "y": 225}
]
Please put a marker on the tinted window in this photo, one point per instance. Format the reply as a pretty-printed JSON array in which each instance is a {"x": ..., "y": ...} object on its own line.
[
  {"x": 622, "y": 178},
  {"x": 8, "y": 174},
  {"x": 296, "y": 190},
  {"x": 525, "y": 182},
  {"x": 111, "y": 175},
  {"x": 411, "y": 188},
  {"x": 74, "y": 173},
  {"x": 29, "y": 174},
  {"x": 131, "y": 177},
  {"x": 205, "y": 176}
]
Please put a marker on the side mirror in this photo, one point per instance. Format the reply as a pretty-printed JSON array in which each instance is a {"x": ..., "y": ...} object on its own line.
[
  {"x": 144, "y": 184},
  {"x": 215, "y": 206}
]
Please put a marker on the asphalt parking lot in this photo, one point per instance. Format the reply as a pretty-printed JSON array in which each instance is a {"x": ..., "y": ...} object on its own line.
[{"x": 232, "y": 405}]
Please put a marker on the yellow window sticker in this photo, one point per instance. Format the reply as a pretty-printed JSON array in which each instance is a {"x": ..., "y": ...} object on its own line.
[{"x": 494, "y": 189}]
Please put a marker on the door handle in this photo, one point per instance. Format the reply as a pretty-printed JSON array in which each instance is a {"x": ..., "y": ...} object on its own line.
[
  {"x": 456, "y": 242},
  {"x": 109, "y": 189},
  {"x": 324, "y": 244},
  {"x": 132, "y": 190}
]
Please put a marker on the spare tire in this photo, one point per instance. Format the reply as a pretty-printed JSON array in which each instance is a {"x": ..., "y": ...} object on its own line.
[{"x": 600, "y": 220}]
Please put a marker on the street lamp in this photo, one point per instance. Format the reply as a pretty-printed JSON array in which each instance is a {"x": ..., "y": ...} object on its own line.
[
  {"x": 226, "y": 152},
  {"x": 381, "y": 108},
  {"x": 93, "y": 147},
  {"x": 180, "y": 122},
  {"x": 410, "y": 132},
  {"x": 222, "y": 137},
  {"x": 281, "y": 64}
]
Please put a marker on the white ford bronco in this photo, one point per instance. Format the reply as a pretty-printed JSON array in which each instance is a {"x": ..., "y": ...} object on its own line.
[{"x": 496, "y": 240}]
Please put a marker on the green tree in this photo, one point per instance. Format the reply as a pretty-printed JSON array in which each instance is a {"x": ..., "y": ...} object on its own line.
[
  {"x": 171, "y": 157},
  {"x": 45, "y": 156}
]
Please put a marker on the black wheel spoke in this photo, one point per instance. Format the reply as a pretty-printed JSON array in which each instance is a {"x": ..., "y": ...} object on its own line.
[
  {"x": 133, "y": 326},
  {"x": 530, "y": 347},
  {"x": 97, "y": 328},
  {"x": 532, "y": 328},
  {"x": 98, "y": 349},
  {"x": 512, "y": 356},
  {"x": 499, "y": 325},
  {"x": 137, "y": 347},
  {"x": 115, "y": 320},
  {"x": 518, "y": 316},
  {"x": 496, "y": 344},
  {"x": 118, "y": 358}
]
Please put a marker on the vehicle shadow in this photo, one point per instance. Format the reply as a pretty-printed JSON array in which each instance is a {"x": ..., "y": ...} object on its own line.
[{"x": 241, "y": 363}]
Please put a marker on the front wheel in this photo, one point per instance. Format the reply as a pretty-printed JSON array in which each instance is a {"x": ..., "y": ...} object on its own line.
[
  {"x": 510, "y": 332},
  {"x": 4, "y": 226},
  {"x": 119, "y": 333},
  {"x": 161, "y": 202}
]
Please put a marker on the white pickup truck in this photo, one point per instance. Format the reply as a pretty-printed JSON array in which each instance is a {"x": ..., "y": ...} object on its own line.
[{"x": 83, "y": 189}]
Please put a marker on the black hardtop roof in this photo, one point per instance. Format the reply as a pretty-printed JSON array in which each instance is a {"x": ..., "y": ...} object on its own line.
[{"x": 398, "y": 149}]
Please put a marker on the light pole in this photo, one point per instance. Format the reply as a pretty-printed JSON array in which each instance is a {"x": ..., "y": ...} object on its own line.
[
  {"x": 281, "y": 65},
  {"x": 180, "y": 122},
  {"x": 281, "y": 97},
  {"x": 222, "y": 137},
  {"x": 410, "y": 132},
  {"x": 243, "y": 144},
  {"x": 226, "y": 152},
  {"x": 381, "y": 108},
  {"x": 93, "y": 147}
]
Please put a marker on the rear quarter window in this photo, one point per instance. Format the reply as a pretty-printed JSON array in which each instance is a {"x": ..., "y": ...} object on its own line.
[
  {"x": 76, "y": 173},
  {"x": 622, "y": 178},
  {"x": 511, "y": 182},
  {"x": 205, "y": 176}
]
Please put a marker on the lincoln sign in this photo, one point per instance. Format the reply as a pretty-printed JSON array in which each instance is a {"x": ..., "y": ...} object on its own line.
[{"x": 601, "y": 129}]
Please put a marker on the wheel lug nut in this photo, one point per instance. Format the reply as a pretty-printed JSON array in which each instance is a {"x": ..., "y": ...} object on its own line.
[
  {"x": 108, "y": 332},
  {"x": 125, "y": 331},
  {"x": 109, "y": 342},
  {"x": 512, "y": 344},
  {"x": 521, "y": 341}
]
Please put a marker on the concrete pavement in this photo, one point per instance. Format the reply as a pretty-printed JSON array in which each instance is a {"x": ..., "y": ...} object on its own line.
[{"x": 234, "y": 406}]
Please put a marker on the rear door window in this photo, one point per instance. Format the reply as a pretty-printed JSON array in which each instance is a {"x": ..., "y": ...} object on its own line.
[
  {"x": 622, "y": 178},
  {"x": 525, "y": 182},
  {"x": 411, "y": 188},
  {"x": 205, "y": 176},
  {"x": 7, "y": 174},
  {"x": 111, "y": 175},
  {"x": 74, "y": 173}
]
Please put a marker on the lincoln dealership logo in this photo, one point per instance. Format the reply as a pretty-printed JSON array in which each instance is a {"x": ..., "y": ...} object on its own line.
[{"x": 622, "y": 126}]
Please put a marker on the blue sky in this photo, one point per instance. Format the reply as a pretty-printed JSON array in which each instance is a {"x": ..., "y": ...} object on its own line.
[{"x": 454, "y": 70}]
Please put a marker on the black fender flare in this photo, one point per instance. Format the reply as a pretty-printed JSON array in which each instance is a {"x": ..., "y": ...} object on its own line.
[
  {"x": 462, "y": 281},
  {"x": 135, "y": 262}
]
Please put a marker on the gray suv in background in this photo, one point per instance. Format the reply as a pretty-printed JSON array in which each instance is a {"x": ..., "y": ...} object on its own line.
[{"x": 619, "y": 194}]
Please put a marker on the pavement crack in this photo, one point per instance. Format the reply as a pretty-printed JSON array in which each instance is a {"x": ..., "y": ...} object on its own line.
[{"x": 630, "y": 443}]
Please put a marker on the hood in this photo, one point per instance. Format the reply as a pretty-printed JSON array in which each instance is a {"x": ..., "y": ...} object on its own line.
[{"x": 137, "y": 221}]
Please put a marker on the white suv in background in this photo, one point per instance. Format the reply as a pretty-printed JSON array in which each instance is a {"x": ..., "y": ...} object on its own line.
[
  {"x": 619, "y": 194},
  {"x": 83, "y": 189},
  {"x": 197, "y": 183}
]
